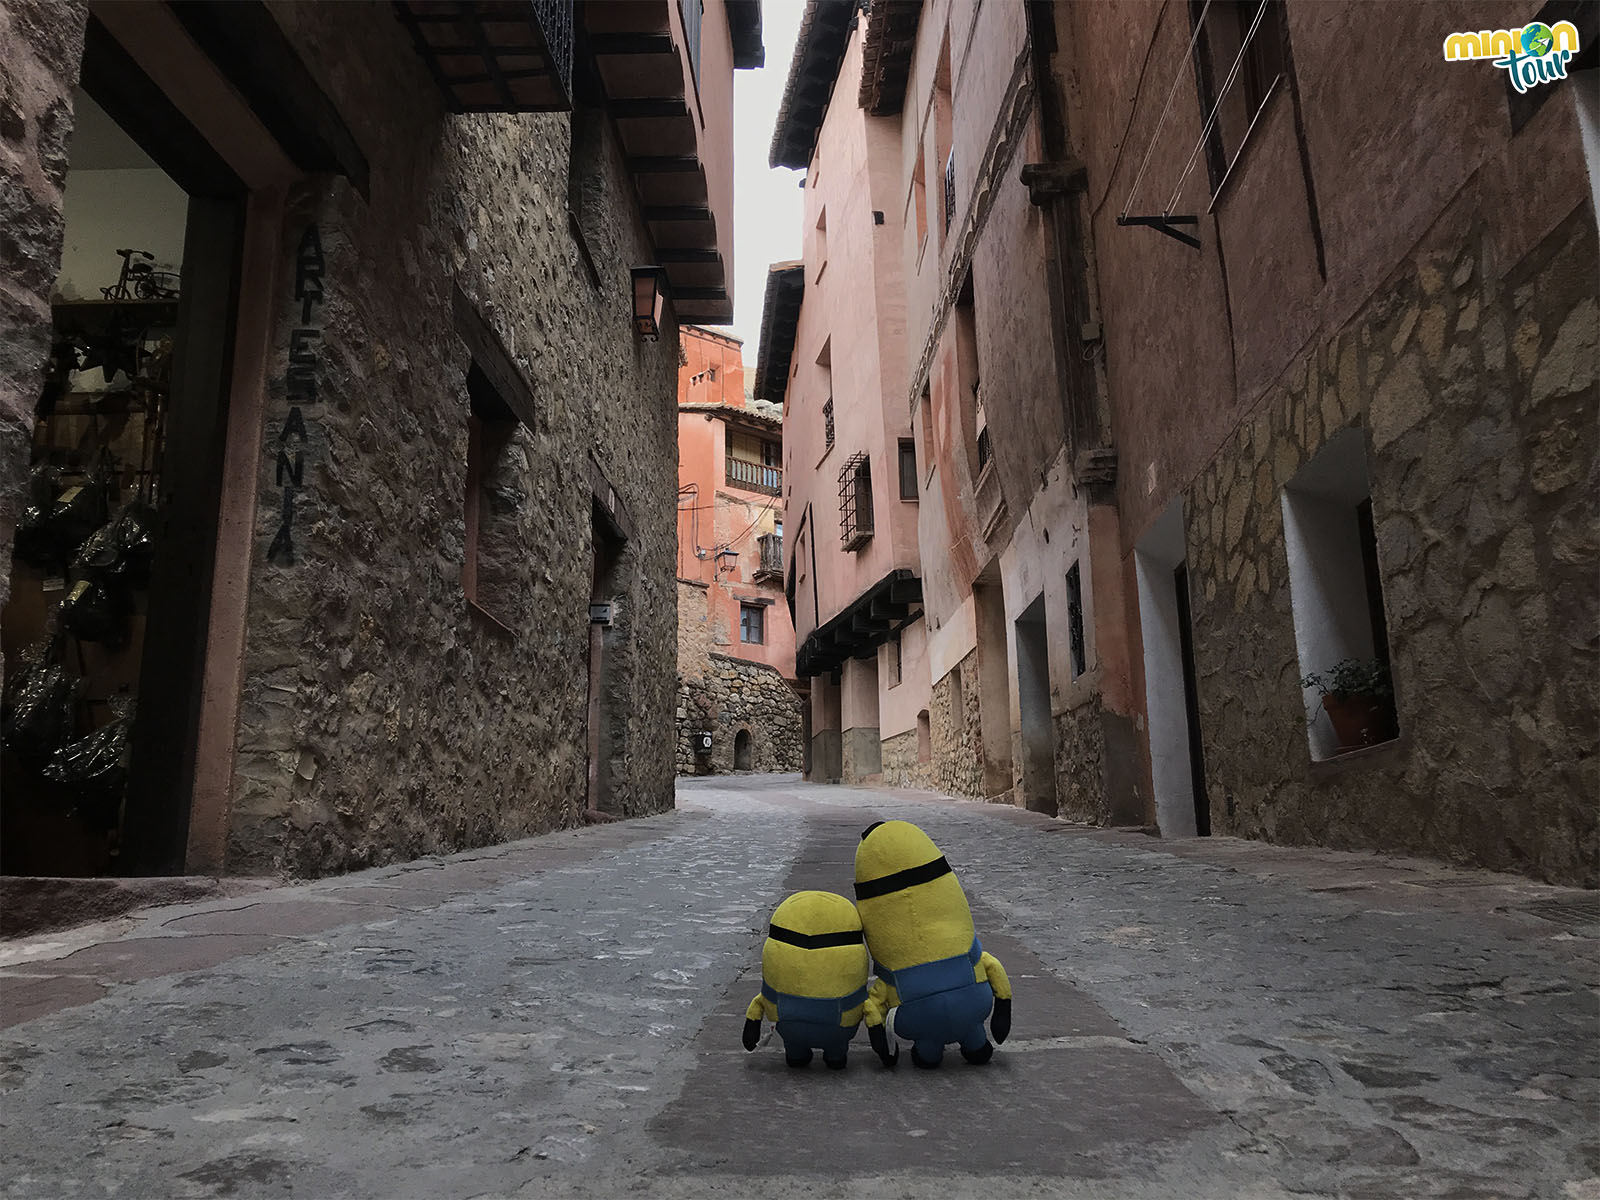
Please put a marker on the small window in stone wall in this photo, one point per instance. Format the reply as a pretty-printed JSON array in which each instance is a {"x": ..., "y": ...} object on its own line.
[
  {"x": 924, "y": 737},
  {"x": 752, "y": 623},
  {"x": 1075, "y": 645},
  {"x": 493, "y": 502},
  {"x": 1336, "y": 596}
]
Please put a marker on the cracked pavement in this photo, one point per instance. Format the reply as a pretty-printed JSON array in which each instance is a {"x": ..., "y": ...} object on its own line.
[{"x": 561, "y": 1017}]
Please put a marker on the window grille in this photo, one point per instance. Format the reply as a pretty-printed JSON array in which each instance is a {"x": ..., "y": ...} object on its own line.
[
  {"x": 855, "y": 502},
  {"x": 985, "y": 449},
  {"x": 1075, "y": 620},
  {"x": 827, "y": 422}
]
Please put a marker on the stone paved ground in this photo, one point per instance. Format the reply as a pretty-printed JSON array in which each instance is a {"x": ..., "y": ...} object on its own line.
[{"x": 561, "y": 1017}]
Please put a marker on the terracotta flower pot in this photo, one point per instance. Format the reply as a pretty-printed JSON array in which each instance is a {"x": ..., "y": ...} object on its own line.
[{"x": 1359, "y": 720}]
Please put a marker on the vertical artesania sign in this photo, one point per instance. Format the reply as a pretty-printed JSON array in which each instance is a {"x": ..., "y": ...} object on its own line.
[{"x": 300, "y": 384}]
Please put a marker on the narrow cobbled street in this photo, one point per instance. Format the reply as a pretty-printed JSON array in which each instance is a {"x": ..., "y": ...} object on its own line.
[{"x": 561, "y": 1017}]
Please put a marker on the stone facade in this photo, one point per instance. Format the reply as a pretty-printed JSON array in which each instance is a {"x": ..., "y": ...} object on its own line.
[
  {"x": 956, "y": 731},
  {"x": 903, "y": 765},
  {"x": 733, "y": 697},
  {"x": 382, "y": 716},
  {"x": 1474, "y": 387},
  {"x": 43, "y": 42}
]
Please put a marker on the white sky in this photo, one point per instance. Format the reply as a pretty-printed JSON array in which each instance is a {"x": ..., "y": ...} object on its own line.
[{"x": 767, "y": 204}]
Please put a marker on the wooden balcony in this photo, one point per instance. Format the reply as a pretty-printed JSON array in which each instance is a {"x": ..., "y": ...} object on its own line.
[
  {"x": 769, "y": 568},
  {"x": 755, "y": 477}
]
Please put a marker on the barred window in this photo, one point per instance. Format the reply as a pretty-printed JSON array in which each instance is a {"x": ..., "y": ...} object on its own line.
[
  {"x": 827, "y": 422},
  {"x": 855, "y": 502}
]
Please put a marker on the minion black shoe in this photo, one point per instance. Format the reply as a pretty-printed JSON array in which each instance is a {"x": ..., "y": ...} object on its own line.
[{"x": 979, "y": 1056}]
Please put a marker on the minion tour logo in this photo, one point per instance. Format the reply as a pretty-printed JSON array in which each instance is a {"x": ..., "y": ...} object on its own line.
[{"x": 1535, "y": 54}]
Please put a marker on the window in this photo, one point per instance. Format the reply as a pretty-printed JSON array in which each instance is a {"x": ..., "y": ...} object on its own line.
[
  {"x": 1075, "y": 621},
  {"x": 827, "y": 422},
  {"x": 711, "y": 374},
  {"x": 855, "y": 502},
  {"x": 585, "y": 180},
  {"x": 925, "y": 406},
  {"x": 752, "y": 623},
  {"x": 949, "y": 190},
  {"x": 943, "y": 132},
  {"x": 919, "y": 199},
  {"x": 968, "y": 382},
  {"x": 908, "y": 469},
  {"x": 488, "y": 571},
  {"x": 772, "y": 454},
  {"x": 892, "y": 653},
  {"x": 1336, "y": 598},
  {"x": 1247, "y": 33},
  {"x": 693, "y": 11},
  {"x": 819, "y": 248}
]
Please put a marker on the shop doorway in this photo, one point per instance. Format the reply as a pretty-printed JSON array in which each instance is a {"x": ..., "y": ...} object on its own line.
[
  {"x": 105, "y": 628},
  {"x": 1033, "y": 702}
]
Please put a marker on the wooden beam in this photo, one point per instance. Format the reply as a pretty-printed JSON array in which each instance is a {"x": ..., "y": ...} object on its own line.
[
  {"x": 668, "y": 255},
  {"x": 677, "y": 212},
  {"x": 631, "y": 43},
  {"x": 646, "y": 109},
  {"x": 662, "y": 164}
]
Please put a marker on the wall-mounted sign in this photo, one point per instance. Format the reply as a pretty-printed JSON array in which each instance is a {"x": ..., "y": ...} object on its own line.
[
  {"x": 600, "y": 614},
  {"x": 702, "y": 742}
]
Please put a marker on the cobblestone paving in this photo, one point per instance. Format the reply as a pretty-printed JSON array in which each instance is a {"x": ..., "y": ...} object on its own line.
[{"x": 561, "y": 1017}]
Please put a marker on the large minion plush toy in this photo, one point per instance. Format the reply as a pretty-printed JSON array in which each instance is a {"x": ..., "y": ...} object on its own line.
[
  {"x": 813, "y": 978},
  {"x": 936, "y": 984}
]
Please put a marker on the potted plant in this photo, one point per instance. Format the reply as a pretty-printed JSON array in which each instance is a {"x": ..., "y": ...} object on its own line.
[{"x": 1358, "y": 696}]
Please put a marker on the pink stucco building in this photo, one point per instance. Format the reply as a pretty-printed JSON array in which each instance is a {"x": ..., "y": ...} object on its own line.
[
  {"x": 833, "y": 350},
  {"x": 731, "y": 606}
]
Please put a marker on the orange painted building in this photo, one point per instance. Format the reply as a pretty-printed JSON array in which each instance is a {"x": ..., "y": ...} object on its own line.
[{"x": 731, "y": 602}]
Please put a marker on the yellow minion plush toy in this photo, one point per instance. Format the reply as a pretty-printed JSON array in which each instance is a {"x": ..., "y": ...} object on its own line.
[
  {"x": 936, "y": 984},
  {"x": 813, "y": 978}
]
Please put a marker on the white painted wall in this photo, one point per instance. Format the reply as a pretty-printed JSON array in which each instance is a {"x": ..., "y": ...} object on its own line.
[
  {"x": 106, "y": 210},
  {"x": 1156, "y": 557},
  {"x": 1327, "y": 582}
]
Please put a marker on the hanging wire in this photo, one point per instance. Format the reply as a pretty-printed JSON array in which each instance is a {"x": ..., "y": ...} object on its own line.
[
  {"x": 1216, "y": 108},
  {"x": 1161, "y": 121}
]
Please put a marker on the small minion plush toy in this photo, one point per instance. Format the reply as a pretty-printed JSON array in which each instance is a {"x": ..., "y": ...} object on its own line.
[
  {"x": 813, "y": 978},
  {"x": 936, "y": 984}
]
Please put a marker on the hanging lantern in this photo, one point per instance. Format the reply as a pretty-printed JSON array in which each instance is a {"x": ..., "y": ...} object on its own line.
[{"x": 649, "y": 298}]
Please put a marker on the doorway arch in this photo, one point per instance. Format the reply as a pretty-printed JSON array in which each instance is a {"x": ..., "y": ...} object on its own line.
[{"x": 741, "y": 750}]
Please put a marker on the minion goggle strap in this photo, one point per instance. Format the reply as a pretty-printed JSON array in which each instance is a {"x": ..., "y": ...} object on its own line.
[
  {"x": 910, "y": 877},
  {"x": 815, "y": 941}
]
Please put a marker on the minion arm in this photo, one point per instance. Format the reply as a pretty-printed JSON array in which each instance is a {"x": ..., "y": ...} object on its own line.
[
  {"x": 1000, "y": 1020},
  {"x": 759, "y": 1007}
]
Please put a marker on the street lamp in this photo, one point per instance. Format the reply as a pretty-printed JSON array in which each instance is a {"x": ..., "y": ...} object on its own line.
[{"x": 649, "y": 298}]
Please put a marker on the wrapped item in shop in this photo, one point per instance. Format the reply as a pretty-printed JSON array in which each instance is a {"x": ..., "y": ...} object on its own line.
[
  {"x": 97, "y": 763},
  {"x": 136, "y": 542},
  {"x": 96, "y": 611},
  {"x": 39, "y": 710},
  {"x": 119, "y": 552},
  {"x": 35, "y": 544},
  {"x": 77, "y": 513}
]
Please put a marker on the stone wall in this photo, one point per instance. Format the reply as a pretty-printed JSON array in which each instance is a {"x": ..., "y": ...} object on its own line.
[
  {"x": 1081, "y": 794},
  {"x": 41, "y": 43},
  {"x": 1475, "y": 386},
  {"x": 902, "y": 766},
  {"x": 956, "y": 731},
  {"x": 733, "y": 696},
  {"x": 381, "y": 716}
]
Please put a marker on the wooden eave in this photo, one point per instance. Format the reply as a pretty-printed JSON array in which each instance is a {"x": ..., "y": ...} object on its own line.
[{"x": 501, "y": 56}]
